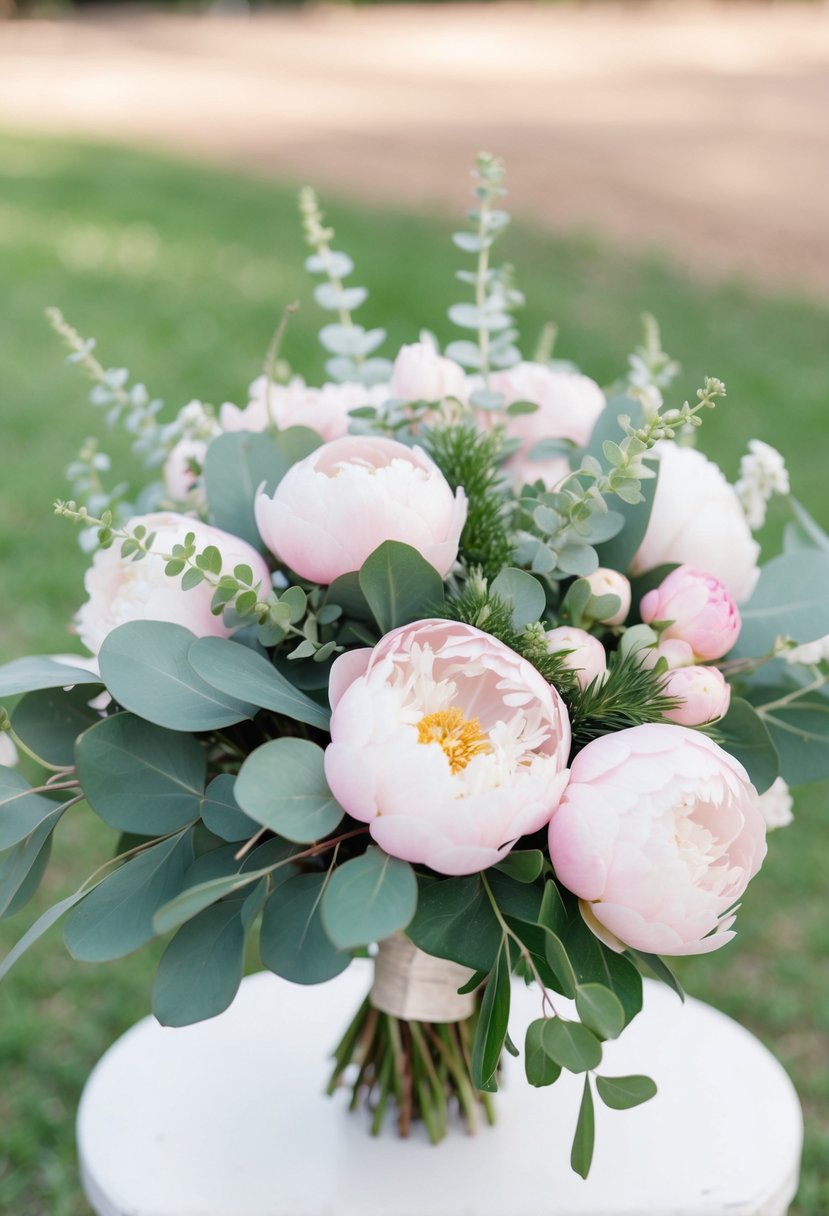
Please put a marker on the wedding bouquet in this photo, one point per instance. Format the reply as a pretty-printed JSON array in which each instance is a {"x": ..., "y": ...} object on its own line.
[{"x": 458, "y": 654}]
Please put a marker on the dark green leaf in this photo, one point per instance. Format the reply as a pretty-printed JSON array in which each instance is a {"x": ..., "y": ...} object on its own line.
[
  {"x": 658, "y": 967},
  {"x": 201, "y": 969},
  {"x": 26, "y": 858},
  {"x": 41, "y": 671},
  {"x": 346, "y": 592},
  {"x": 581, "y": 1154},
  {"x": 117, "y": 916},
  {"x": 293, "y": 942},
  {"x": 571, "y": 1045},
  {"x": 595, "y": 963},
  {"x": 621, "y": 1093},
  {"x": 491, "y": 1027},
  {"x": 400, "y": 586},
  {"x": 548, "y": 954},
  {"x": 523, "y": 865},
  {"x": 146, "y": 668},
  {"x": 222, "y": 813},
  {"x": 540, "y": 1069},
  {"x": 368, "y": 898},
  {"x": 49, "y": 721},
  {"x": 282, "y": 786},
  {"x": 454, "y": 920},
  {"x": 238, "y": 671},
  {"x": 141, "y": 778},
  {"x": 600, "y": 1010}
]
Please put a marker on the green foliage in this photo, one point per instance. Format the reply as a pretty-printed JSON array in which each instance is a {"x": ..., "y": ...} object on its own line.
[
  {"x": 146, "y": 668},
  {"x": 201, "y": 969},
  {"x": 571, "y": 1045},
  {"x": 622, "y": 1093},
  {"x": 789, "y": 600},
  {"x": 471, "y": 459},
  {"x": 49, "y": 721},
  {"x": 282, "y": 786},
  {"x": 745, "y": 736},
  {"x": 35, "y": 672},
  {"x": 368, "y": 898},
  {"x": 400, "y": 586},
  {"x": 631, "y": 695},
  {"x": 491, "y": 1028},
  {"x": 141, "y": 778},
  {"x": 22, "y": 809},
  {"x": 222, "y": 814},
  {"x": 581, "y": 1154},
  {"x": 292, "y": 941},
  {"x": 540, "y": 1069},
  {"x": 237, "y": 671}
]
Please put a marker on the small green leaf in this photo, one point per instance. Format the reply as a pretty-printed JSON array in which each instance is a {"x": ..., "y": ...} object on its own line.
[
  {"x": 600, "y": 1010},
  {"x": 621, "y": 1093},
  {"x": 581, "y": 1154},
  {"x": 282, "y": 786},
  {"x": 571, "y": 1045},
  {"x": 540, "y": 1069},
  {"x": 523, "y": 593},
  {"x": 491, "y": 1027},
  {"x": 368, "y": 898},
  {"x": 221, "y": 812},
  {"x": 201, "y": 969},
  {"x": 524, "y": 865}
]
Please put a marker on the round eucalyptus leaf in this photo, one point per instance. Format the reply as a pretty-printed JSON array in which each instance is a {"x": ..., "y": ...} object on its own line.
[
  {"x": 49, "y": 721},
  {"x": 141, "y": 778},
  {"x": 201, "y": 969},
  {"x": 222, "y": 813},
  {"x": 21, "y": 810},
  {"x": 282, "y": 786},
  {"x": 368, "y": 898},
  {"x": 571, "y": 1045},
  {"x": 600, "y": 1010}
]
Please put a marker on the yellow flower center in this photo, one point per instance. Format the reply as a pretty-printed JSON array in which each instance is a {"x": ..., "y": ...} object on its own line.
[{"x": 460, "y": 738}]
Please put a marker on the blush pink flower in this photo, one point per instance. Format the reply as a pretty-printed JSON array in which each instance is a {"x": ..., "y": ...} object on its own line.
[
  {"x": 569, "y": 405},
  {"x": 447, "y": 743},
  {"x": 699, "y": 609},
  {"x": 584, "y": 655},
  {"x": 420, "y": 373},
  {"x": 332, "y": 509},
  {"x": 703, "y": 693},
  {"x": 121, "y": 590},
  {"x": 181, "y": 482},
  {"x": 697, "y": 519},
  {"x": 324, "y": 410},
  {"x": 659, "y": 832}
]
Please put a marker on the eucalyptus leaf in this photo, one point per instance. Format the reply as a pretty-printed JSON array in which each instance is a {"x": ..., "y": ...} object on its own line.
[
  {"x": 292, "y": 941},
  {"x": 523, "y": 593},
  {"x": 24, "y": 859},
  {"x": 595, "y": 963},
  {"x": 141, "y": 778},
  {"x": 21, "y": 810},
  {"x": 237, "y": 671},
  {"x": 221, "y": 812},
  {"x": 43, "y": 923},
  {"x": 571, "y": 1045},
  {"x": 117, "y": 916},
  {"x": 581, "y": 1154},
  {"x": 745, "y": 736},
  {"x": 146, "y": 668},
  {"x": 48, "y": 722},
  {"x": 539, "y": 1068},
  {"x": 790, "y": 600},
  {"x": 282, "y": 786},
  {"x": 368, "y": 898},
  {"x": 621, "y": 1093},
  {"x": 200, "y": 971},
  {"x": 400, "y": 586},
  {"x": 600, "y": 1010},
  {"x": 41, "y": 671},
  {"x": 548, "y": 953}
]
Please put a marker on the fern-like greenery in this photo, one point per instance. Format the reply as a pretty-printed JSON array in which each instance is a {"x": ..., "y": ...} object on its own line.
[
  {"x": 631, "y": 695},
  {"x": 471, "y": 459}
]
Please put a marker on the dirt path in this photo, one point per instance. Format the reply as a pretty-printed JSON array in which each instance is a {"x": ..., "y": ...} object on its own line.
[{"x": 704, "y": 129}]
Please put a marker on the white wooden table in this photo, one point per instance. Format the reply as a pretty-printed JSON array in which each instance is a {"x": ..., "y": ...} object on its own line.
[{"x": 228, "y": 1118}]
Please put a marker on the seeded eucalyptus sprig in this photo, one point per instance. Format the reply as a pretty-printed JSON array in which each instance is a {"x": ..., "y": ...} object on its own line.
[
  {"x": 350, "y": 344},
  {"x": 495, "y": 294},
  {"x": 280, "y": 616}
]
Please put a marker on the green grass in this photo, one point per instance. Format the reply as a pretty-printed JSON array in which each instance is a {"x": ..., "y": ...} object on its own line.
[{"x": 181, "y": 274}]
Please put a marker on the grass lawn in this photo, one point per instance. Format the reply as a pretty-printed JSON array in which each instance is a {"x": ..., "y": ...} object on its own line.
[{"x": 181, "y": 273}]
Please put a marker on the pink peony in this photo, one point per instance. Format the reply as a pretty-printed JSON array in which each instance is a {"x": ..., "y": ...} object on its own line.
[
  {"x": 703, "y": 692},
  {"x": 586, "y": 656},
  {"x": 180, "y": 482},
  {"x": 659, "y": 833},
  {"x": 676, "y": 653},
  {"x": 610, "y": 582},
  {"x": 324, "y": 410},
  {"x": 700, "y": 610},
  {"x": 121, "y": 590},
  {"x": 568, "y": 406},
  {"x": 332, "y": 509},
  {"x": 697, "y": 519},
  {"x": 420, "y": 373},
  {"x": 449, "y": 744}
]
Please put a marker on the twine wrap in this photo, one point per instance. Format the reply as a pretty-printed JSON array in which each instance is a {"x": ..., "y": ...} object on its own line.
[{"x": 417, "y": 987}]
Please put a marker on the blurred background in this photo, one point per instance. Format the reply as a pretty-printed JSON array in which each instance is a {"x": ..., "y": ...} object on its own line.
[{"x": 662, "y": 156}]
